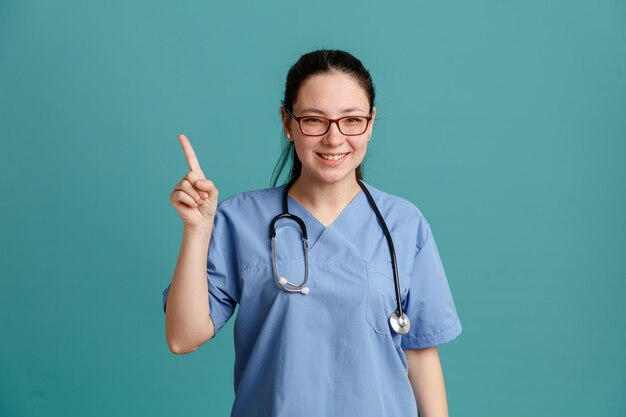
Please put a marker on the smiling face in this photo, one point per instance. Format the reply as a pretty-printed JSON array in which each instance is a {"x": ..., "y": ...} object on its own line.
[{"x": 333, "y": 157}]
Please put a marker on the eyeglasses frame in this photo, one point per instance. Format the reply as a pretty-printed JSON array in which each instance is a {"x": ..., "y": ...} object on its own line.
[{"x": 330, "y": 121}]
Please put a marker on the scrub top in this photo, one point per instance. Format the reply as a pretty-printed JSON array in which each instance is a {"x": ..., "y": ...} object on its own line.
[{"x": 332, "y": 351}]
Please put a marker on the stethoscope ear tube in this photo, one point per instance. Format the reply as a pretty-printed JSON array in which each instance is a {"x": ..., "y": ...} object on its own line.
[
  {"x": 282, "y": 281},
  {"x": 288, "y": 216}
]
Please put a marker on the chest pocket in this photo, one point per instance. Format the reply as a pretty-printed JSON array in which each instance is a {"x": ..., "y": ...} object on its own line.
[{"x": 381, "y": 296}]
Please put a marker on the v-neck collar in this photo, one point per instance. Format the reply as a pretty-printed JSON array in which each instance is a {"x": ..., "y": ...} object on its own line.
[
  {"x": 345, "y": 226},
  {"x": 354, "y": 202}
]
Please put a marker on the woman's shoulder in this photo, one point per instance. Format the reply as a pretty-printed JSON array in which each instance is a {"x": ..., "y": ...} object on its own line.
[
  {"x": 250, "y": 203},
  {"x": 394, "y": 203},
  {"x": 251, "y": 196},
  {"x": 401, "y": 212}
]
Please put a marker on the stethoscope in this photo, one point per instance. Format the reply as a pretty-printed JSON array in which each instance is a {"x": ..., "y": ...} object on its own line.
[{"x": 399, "y": 321}]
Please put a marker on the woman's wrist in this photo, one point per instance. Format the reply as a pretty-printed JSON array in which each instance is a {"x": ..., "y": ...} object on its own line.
[{"x": 203, "y": 230}]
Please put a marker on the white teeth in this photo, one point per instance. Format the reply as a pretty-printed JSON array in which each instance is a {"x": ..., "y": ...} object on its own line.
[{"x": 333, "y": 157}]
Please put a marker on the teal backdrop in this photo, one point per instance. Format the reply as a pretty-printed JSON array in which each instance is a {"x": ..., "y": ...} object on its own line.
[{"x": 504, "y": 122}]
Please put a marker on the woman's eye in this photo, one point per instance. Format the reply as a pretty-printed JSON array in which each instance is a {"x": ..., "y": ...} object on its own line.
[
  {"x": 355, "y": 119},
  {"x": 312, "y": 120}
]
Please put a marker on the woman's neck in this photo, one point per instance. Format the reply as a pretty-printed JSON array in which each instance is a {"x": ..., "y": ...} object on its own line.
[{"x": 324, "y": 197}]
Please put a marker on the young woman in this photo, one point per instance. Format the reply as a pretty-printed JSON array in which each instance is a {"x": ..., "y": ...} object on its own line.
[{"x": 343, "y": 301}]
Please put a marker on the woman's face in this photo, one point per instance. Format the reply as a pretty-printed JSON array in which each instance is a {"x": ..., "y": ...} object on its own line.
[{"x": 331, "y": 95}]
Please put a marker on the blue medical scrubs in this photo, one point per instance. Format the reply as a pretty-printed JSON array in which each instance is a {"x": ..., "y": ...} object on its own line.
[{"x": 331, "y": 352}]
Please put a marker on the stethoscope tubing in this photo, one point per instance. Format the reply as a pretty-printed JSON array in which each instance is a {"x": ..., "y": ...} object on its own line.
[
  {"x": 400, "y": 319},
  {"x": 392, "y": 251}
]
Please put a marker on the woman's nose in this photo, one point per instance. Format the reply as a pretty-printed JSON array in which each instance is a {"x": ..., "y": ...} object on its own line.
[{"x": 334, "y": 135}]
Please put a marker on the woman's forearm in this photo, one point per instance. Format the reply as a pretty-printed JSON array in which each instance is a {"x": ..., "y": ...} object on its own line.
[
  {"x": 426, "y": 378},
  {"x": 187, "y": 320}
]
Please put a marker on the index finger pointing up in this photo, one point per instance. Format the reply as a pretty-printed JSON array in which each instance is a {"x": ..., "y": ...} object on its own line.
[{"x": 192, "y": 160}]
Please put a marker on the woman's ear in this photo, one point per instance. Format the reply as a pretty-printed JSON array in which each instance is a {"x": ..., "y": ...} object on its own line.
[
  {"x": 371, "y": 123},
  {"x": 286, "y": 119}
]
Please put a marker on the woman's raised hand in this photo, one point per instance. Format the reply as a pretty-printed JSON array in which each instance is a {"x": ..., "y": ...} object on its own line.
[{"x": 194, "y": 197}]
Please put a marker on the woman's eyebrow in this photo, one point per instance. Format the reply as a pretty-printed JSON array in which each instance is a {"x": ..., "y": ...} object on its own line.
[
  {"x": 312, "y": 110},
  {"x": 352, "y": 109},
  {"x": 318, "y": 111}
]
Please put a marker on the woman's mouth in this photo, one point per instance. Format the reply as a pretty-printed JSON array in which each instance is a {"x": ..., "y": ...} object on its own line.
[{"x": 331, "y": 156}]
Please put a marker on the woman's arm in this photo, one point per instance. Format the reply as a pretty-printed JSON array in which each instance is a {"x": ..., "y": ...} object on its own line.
[
  {"x": 188, "y": 323},
  {"x": 427, "y": 381}
]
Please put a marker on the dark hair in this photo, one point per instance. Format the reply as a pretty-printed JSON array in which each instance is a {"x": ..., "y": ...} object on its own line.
[{"x": 313, "y": 63}]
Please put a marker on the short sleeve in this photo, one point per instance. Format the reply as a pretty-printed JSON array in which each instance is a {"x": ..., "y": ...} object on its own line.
[
  {"x": 222, "y": 275},
  {"x": 429, "y": 304}
]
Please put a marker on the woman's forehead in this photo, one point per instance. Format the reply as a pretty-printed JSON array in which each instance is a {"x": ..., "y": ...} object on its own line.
[{"x": 333, "y": 92}]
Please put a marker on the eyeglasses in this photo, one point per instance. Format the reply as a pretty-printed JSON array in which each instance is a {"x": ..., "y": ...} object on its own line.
[{"x": 318, "y": 126}]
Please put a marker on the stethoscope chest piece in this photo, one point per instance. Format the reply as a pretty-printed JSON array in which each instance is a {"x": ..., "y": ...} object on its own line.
[{"x": 400, "y": 324}]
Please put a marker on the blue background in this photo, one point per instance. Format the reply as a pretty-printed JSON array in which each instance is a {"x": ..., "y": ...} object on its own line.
[{"x": 504, "y": 122}]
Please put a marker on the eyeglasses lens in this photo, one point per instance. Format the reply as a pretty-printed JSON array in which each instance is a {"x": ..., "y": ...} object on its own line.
[{"x": 317, "y": 126}]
